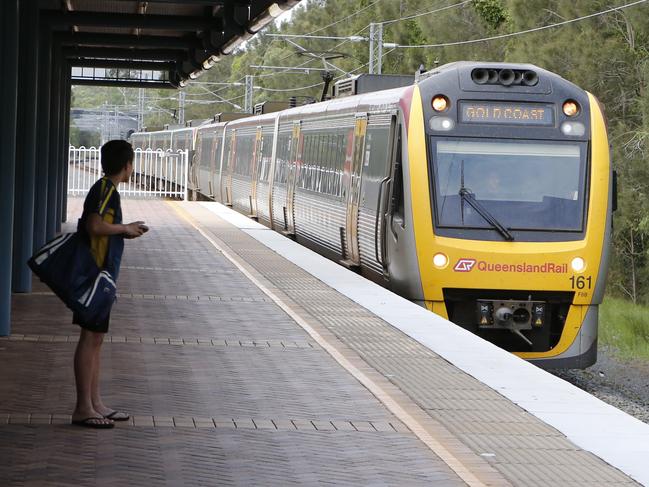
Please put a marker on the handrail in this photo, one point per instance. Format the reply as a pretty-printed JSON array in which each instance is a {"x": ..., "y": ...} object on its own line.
[
  {"x": 156, "y": 173},
  {"x": 380, "y": 213}
]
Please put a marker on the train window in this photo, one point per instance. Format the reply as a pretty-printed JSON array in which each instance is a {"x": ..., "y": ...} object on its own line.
[
  {"x": 283, "y": 150},
  {"x": 375, "y": 163},
  {"x": 526, "y": 185}
]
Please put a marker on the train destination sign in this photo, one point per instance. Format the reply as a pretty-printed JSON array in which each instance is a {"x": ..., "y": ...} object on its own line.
[{"x": 506, "y": 113}]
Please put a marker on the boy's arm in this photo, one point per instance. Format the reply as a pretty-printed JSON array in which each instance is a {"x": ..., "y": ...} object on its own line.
[{"x": 97, "y": 227}]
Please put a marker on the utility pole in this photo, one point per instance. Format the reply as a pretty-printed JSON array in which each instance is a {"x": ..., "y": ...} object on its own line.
[
  {"x": 181, "y": 107},
  {"x": 104, "y": 125},
  {"x": 248, "y": 106},
  {"x": 115, "y": 127},
  {"x": 140, "y": 109},
  {"x": 376, "y": 48}
]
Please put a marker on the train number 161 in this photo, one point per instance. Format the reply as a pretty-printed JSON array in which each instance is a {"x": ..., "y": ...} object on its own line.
[{"x": 581, "y": 282}]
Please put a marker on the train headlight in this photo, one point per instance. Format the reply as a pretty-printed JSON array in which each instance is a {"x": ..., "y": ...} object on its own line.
[
  {"x": 442, "y": 124},
  {"x": 440, "y": 260},
  {"x": 575, "y": 129},
  {"x": 571, "y": 108},
  {"x": 578, "y": 264},
  {"x": 440, "y": 103}
]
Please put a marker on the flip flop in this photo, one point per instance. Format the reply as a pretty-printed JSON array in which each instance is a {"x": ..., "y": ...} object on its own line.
[
  {"x": 91, "y": 423},
  {"x": 118, "y": 416}
]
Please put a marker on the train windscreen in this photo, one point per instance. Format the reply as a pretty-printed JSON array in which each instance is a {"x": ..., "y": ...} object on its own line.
[{"x": 523, "y": 185}]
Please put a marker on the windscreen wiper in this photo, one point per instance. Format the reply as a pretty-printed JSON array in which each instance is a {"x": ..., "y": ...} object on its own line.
[{"x": 467, "y": 196}]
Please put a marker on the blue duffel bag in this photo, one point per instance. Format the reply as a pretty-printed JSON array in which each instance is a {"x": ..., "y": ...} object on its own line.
[{"x": 67, "y": 266}]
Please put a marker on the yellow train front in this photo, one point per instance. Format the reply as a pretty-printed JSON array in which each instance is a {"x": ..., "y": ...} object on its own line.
[{"x": 511, "y": 194}]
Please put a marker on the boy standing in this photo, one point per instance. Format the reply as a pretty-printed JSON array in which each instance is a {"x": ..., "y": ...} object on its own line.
[{"x": 101, "y": 224}]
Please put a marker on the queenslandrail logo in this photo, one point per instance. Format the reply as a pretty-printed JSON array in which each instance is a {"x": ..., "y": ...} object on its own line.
[
  {"x": 467, "y": 265},
  {"x": 464, "y": 265}
]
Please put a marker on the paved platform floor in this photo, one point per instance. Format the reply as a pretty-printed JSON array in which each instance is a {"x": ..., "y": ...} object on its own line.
[{"x": 226, "y": 386}]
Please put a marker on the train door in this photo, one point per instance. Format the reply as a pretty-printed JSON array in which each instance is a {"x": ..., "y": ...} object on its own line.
[
  {"x": 213, "y": 160},
  {"x": 400, "y": 258},
  {"x": 256, "y": 158},
  {"x": 353, "y": 170},
  {"x": 218, "y": 164},
  {"x": 271, "y": 175},
  {"x": 294, "y": 161},
  {"x": 226, "y": 175}
]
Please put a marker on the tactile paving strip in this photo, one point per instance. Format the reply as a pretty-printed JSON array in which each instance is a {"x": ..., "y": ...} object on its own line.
[{"x": 424, "y": 376}]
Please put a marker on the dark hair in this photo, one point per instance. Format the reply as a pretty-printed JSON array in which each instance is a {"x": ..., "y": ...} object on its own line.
[{"x": 115, "y": 155}]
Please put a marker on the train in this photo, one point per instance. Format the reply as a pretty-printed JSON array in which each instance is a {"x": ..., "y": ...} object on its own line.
[{"x": 483, "y": 191}]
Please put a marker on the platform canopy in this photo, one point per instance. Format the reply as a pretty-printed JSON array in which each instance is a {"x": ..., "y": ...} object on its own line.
[
  {"x": 46, "y": 47},
  {"x": 154, "y": 44}
]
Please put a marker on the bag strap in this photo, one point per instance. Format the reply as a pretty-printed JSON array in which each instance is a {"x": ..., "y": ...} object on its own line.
[{"x": 106, "y": 199}]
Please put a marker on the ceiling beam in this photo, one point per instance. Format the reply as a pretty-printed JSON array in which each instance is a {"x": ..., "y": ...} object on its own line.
[
  {"x": 116, "y": 53},
  {"x": 112, "y": 20},
  {"x": 122, "y": 64},
  {"x": 125, "y": 84},
  {"x": 116, "y": 40}
]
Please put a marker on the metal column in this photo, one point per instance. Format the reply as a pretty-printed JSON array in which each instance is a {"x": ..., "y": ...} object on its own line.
[
  {"x": 53, "y": 160},
  {"x": 66, "y": 137},
  {"x": 61, "y": 160},
  {"x": 8, "y": 88},
  {"x": 376, "y": 48},
  {"x": 43, "y": 135},
  {"x": 25, "y": 148},
  {"x": 249, "y": 108}
]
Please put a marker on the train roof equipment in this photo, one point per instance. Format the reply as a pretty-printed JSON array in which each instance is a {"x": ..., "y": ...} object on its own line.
[{"x": 367, "y": 83}]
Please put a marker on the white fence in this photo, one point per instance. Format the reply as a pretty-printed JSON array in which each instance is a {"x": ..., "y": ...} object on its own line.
[{"x": 156, "y": 173}]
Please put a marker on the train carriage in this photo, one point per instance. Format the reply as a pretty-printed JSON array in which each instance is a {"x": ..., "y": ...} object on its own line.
[{"x": 483, "y": 191}]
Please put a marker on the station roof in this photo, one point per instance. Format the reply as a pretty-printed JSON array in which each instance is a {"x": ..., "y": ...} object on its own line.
[{"x": 157, "y": 43}]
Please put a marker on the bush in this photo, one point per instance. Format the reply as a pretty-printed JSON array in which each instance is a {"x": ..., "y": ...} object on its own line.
[{"x": 624, "y": 327}]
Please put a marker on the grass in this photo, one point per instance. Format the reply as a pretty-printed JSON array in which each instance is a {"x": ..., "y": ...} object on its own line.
[{"x": 624, "y": 327}]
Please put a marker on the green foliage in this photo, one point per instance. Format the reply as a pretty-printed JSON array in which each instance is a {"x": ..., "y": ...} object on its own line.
[
  {"x": 492, "y": 12},
  {"x": 624, "y": 328}
]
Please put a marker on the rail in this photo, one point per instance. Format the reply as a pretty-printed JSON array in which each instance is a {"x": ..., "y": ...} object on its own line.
[{"x": 156, "y": 173}]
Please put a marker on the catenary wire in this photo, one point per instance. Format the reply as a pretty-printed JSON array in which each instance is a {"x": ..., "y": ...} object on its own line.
[
  {"x": 527, "y": 31},
  {"x": 343, "y": 19},
  {"x": 421, "y": 14}
]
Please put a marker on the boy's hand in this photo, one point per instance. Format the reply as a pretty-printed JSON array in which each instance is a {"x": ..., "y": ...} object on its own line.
[{"x": 134, "y": 230}]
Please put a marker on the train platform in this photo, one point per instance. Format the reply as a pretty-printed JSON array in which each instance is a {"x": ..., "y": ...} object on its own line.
[{"x": 245, "y": 359}]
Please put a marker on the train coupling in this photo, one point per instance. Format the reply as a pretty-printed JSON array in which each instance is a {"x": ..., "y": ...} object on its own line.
[{"x": 511, "y": 315}]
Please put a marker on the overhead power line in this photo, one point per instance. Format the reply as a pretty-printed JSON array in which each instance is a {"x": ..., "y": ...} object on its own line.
[
  {"x": 317, "y": 84},
  {"x": 527, "y": 31},
  {"x": 385, "y": 22},
  {"x": 343, "y": 19},
  {"x": 277, "y": 90}
]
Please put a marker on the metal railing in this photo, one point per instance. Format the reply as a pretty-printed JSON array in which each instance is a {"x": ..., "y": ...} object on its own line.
[{"x": 156, "y": 173}]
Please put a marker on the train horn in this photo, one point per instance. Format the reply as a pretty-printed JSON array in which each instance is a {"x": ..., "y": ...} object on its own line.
[
  {"x": 480, "y": 76},
  {"x": 506, "y": 77},
  {"x": 493, "y": 76},
  {"x": 530, "y": 78}
]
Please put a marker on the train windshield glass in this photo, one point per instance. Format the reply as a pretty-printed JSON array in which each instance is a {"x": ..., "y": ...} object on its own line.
[{"x": 524, "y": 185}]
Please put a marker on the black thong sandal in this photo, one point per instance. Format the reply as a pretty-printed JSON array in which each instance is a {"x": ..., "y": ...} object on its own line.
[
  {"x": 92, "y": 423},
  {"x": 118, "y": 416}
]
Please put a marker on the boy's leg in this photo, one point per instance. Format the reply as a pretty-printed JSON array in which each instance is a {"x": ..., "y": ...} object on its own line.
[
  {"x": 88, "y": 349},
  {"x": 95, "y": 395}
]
